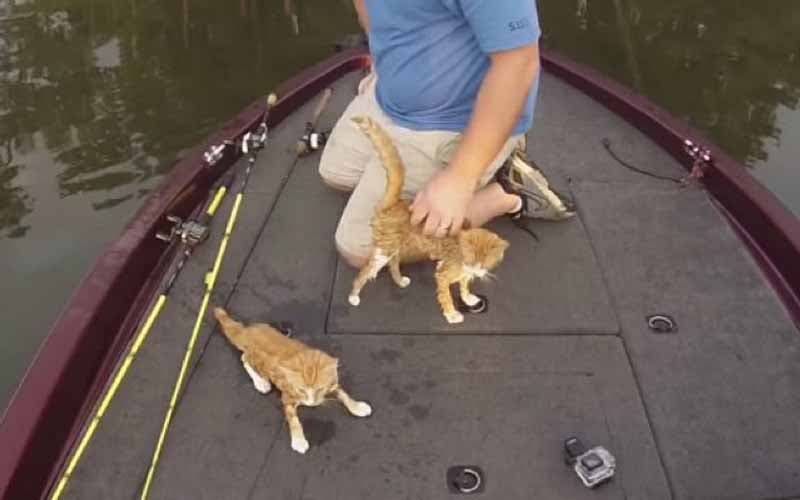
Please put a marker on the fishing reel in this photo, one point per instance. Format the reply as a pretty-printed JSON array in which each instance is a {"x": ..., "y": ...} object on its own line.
[
  {"x": 312, "y": 140},
  {"x": 593, "y": 466},
  {"x": 190, "y": 232},
  {"x": 255, "y": 140}
]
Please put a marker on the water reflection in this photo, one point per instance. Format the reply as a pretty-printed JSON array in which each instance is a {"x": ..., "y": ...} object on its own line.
[
  {"x": 97, "y": 100},
  {"x": 724, "y": 66},
  {"x": 115, "y": 90},
  {"x": 291, "y": 13}
]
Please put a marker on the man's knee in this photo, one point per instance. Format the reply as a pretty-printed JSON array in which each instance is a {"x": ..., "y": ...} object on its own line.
[
  {"x": 332, "y": 180},
  {"x": 357, "y": 260},
  {"x": 352, "y": 243}
]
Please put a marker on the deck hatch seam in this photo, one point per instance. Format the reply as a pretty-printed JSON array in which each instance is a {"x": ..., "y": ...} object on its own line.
[
  {"x": 614, "y": 306},
  {"x": 325, "y": 328}
]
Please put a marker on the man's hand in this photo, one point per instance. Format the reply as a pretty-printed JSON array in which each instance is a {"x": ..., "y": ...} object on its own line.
[{"x": 442, "y": 203}]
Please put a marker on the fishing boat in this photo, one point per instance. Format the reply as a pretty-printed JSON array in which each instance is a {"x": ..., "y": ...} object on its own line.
[{"x": 660, "y": 324}]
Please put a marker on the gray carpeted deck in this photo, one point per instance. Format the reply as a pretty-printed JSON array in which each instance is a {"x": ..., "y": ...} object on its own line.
[
  {"x": 708, "y": 412},
  {"x": 553, "y": 286}
]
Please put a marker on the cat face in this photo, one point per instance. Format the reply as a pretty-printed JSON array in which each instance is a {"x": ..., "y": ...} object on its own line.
[
  {"x": 311, "y": 375},
  {"x": 481, "y": 250}
]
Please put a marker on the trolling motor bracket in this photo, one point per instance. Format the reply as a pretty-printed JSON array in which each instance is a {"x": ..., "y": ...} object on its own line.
[
  {"x": 190, "y": 232},
  {"x": 215, "y": 152},
  {"x": 701, "y": 157}
]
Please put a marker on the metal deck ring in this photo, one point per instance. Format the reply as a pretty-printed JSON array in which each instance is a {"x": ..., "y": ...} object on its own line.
[
  {"x": 474, "y": 475},
  {"x": 661, "y": 323}
]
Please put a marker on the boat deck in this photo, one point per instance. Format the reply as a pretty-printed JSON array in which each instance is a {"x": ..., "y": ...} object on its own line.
[{"x": 708, "y": 412}]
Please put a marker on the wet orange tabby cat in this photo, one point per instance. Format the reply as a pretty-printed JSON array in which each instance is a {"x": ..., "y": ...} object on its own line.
[
  {"x": 305, "y": 376},
  {"x": 470, "y": 254}
]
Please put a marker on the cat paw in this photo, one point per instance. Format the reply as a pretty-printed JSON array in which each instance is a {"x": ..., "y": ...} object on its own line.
[
  {"x": 361, "y": 409},
  {"x": 471, "y": 300},
  {"x": 454, "y": 317},
  {"x": 262, "y": 386},
  {"x": 300, "y": 445},
  {"x": 404, "y": 282},
  {"x": 354, "y": 300}
]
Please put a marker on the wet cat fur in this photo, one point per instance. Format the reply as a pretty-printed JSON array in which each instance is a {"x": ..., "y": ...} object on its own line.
[
  {"x": 304, "y": 375},
  {"x": 470, "y": 254}
]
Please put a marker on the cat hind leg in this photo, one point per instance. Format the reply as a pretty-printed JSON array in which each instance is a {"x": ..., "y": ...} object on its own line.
[
  {"x": 377, "y": 261},
  {"x": 261, "y": 384}
]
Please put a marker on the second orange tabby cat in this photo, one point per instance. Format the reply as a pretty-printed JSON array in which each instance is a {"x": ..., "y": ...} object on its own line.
[{"x": 304, "y": 375}]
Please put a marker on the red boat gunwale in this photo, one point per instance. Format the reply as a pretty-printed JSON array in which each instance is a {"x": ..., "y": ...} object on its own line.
[
  {"x": 71, "y": 368},
  {"x": 767, "y": 228}
]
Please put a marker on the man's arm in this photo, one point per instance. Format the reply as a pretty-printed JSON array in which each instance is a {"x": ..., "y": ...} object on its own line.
[
  {"x": 443, "y": 202},
  {"x": 500, "y": 101},
  {"x": 363, "y": 18}
]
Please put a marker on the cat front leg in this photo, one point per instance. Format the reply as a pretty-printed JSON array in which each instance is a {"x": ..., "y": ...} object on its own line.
[
  {"x": 261, "y": 384},
  {"x": 298, "y": 437},
  {"x": 468, "y": 297},
  {"x": 356, "y": 408},
  {"x": 377, "y": 261},
  {"x": 397, "y": 276},
  {"x": 443, "y": 281}
]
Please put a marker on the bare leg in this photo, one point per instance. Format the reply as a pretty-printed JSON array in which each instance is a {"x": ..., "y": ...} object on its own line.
[
  {"x": 299, "y": 442},
  {"x": 467, "y": 296},
  {"x": 356, "y": 408},
  {"x": 377, "y": 262},
  {"x": 491, "y": 202},
  {"x": 262, "y": 385},
  {"x": 397, "y": 276}
]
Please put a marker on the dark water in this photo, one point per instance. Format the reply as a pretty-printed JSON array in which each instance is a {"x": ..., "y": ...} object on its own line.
[{"x": 98, "y": 98}]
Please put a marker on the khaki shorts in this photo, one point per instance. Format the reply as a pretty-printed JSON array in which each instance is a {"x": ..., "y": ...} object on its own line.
[{"x": 350, "y": 162}]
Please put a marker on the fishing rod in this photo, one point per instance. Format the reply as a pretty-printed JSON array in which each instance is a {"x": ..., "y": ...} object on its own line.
[
  {"x": 191, "y": 233},
  {"x": 251, "y": 144}
]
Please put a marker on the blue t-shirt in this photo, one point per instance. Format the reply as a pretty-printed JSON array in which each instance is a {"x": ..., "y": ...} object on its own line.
[{"x": 431, "y": 56}]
